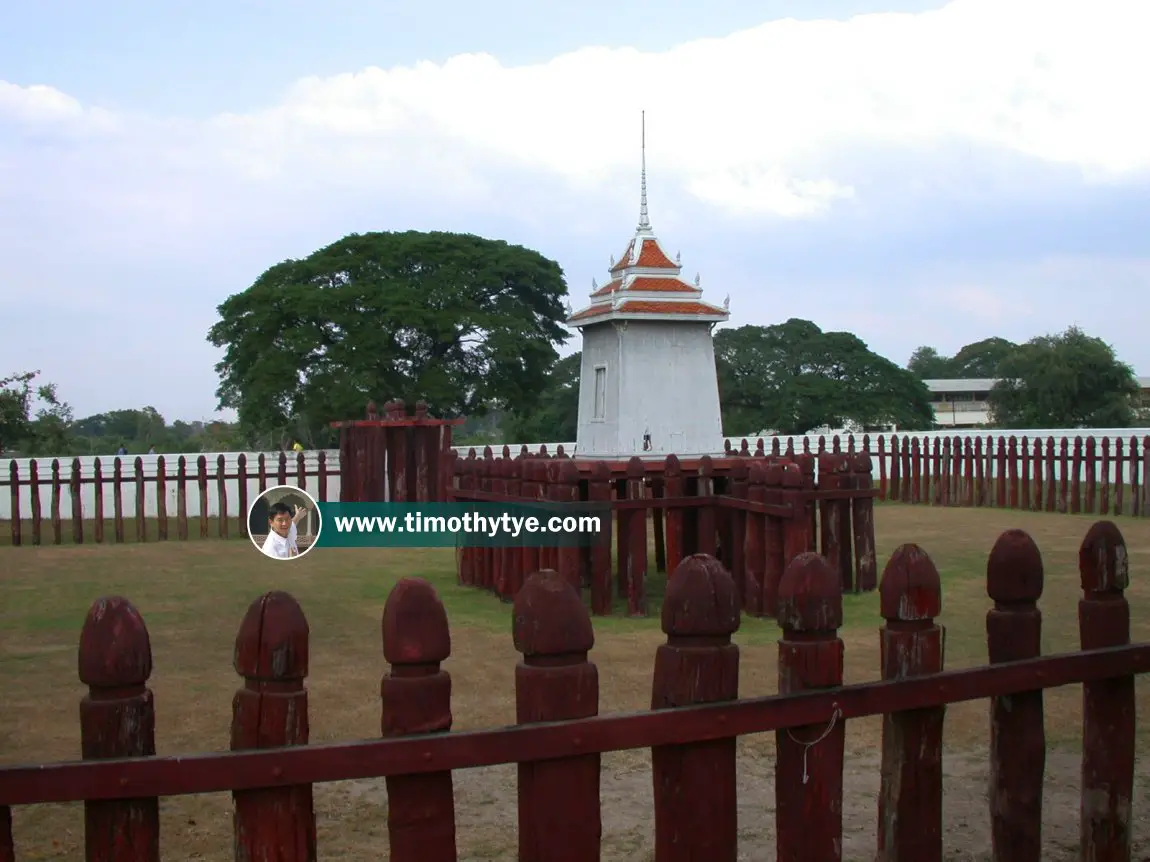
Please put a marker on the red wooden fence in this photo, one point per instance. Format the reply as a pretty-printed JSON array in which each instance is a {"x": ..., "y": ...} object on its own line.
[
  {"x": 1105, "y": 476},
  {"x": 209, "y": 479},
  {"x": 755, "y": 514},
  {"x": 695, "y": 716}
]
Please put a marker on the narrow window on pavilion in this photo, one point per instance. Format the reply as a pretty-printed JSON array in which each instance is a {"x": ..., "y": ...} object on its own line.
[{"x": 600, "y": 392}]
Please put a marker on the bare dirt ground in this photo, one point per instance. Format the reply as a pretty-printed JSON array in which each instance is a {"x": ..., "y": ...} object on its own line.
[{"x": 193, "y": 594}]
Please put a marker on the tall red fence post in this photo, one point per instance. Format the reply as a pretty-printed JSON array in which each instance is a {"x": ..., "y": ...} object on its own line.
[
  {"x": 862, "y": 523},
  {"x": 275, "y": 824},
  {"x": 1017, "y": 737},
  {"x": 599, "y": 492},
  {"x": 118, "y": 719},
  {"x": 1108, "y": 711},
  {"x": 910, "y": 799},
  {"x": 696, "y": 804},
  {"x": 559, "y": 814},
  {"x": 809, "y": 767},
  {"x": 416, "y": 698}
]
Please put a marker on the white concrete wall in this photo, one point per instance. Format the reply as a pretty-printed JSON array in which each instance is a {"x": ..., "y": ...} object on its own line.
[
  {"x": 600, "y": 347},
  {"x": 311, "y": 463}
]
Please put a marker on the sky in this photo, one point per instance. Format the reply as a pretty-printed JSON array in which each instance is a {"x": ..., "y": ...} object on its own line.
[{"x": 916, "y": 173}]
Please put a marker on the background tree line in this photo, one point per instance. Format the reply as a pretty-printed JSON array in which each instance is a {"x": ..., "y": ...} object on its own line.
[{"x": 473, "y": 326}]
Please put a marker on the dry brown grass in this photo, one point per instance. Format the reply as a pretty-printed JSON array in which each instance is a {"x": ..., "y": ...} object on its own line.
[{"x": 193, "y": 595}]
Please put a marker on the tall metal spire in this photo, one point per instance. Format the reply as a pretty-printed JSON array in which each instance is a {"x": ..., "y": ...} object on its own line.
[{"x": 644, "y": 220}]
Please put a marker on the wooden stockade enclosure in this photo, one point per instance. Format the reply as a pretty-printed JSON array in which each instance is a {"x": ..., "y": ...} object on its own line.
[
  {"x": 1002, "y": 471},
  {"x": 756, "y": 514},
  {"x": 695, "y": 716},
  {"x": 1107, "y": 477}
]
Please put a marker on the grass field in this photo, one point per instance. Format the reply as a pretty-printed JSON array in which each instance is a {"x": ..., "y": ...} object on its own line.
[{"x": 193, "y": 595}]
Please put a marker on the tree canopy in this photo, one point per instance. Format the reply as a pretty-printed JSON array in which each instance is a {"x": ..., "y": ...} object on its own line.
[
  {"x": 457, "y": 320},
  {"x": 979, "y": 360},
  {"x": 555, "y": 417},
  {"x": 1069, "y": 380},
  {"x": 33, "y": 419},
  {"x": 792, "y": 377}
]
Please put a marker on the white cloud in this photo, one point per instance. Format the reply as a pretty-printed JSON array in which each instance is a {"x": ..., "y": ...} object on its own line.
[{"x": 751, "y": 123}]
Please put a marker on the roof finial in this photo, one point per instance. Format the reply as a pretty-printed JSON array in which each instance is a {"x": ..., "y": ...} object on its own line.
[{"x": 644, "y": 221}]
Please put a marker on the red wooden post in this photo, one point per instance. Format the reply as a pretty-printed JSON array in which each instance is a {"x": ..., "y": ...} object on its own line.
[
  {"x": 34, "y": 499},
  {"x": 1076, "y": 478},
  {"x": 1108, "y": 706},
  {"x": 281, "y": 469},
  {"x": 1119, "y": 477},
  {"x": 75, "y": 490},
  {"x": 568, "y": 554},
  {"x": 499, "y": 569},
  {"x": 202, "y": 487},
  {"x": 945, "y": 477},
  {"x": 1024, "y": 477},
  {"x": 736, "y": 528},
  {"x": 1091, "y": 491},
  {"x": 14, "y": 503},
  {"x": 910, "y": 800},
  {"x": 895, "y": 468},
  {"x": 635, "y": 570},
  {"x": 162, "y": 500},
  {"x": 1104, "y": 479},
  {"x": 1017, "y": 737},
  {"x": 98, "y": 501},
  {"x": 754, "y": 532},
  {"x": 7, "y": 846},
  {"x": 980, "y": 477},
  {"x": 262, "y": 476},
  {"x": 242, "y": 493},
  {"x": 273, "y": 824},
  {"x": 559, "y": 815},
  {"x": 696, "y": 803},
  {"x": 705, "y": 521},
  {"x": 781, "y": 538},
  {"x": 54, "y": 504},
  {"x": 118, "y": 719},
  {"x": 513, "y": 556},
  {"x": 809, "y": 765},
  {"x": 1012, "y": 471},
  {"x": 531, "y": 489},
  {"x": 674, "y": 486},
  {"x": 141, "y": 523},
  {"x": 881, "y": 467},
  {"x": 467, "y": 563},
  {"x": 1064, "y": 475},
  {"x": 916, "y": 471},
  {"x": 182, "y": 497},
  {"x": 862, "y": 523},
  {"x": 836, "y": 528},
  {"x": 1036, "y": 502},
  {"x": 1000, "y": 473},
  {"x": 658, "y": 530},
  {"x": 416, "y": 697},
  {"x": 968, "y": 472},
  {"x": 599, "y": 493},
  {"x": 1051, "y": 476},
  {"x": 321, "y": 478},
  {"x": 222, "y": 496}
]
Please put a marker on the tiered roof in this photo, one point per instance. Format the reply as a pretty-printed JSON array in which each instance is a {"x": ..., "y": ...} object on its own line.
[{"x": 645, "y": 282}]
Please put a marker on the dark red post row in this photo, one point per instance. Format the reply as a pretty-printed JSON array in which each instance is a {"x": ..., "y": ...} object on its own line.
[{"x": 143, "y": 487}]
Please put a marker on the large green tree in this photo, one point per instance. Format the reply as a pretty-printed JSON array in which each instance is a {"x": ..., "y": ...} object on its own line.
[
  {"x": 459, "y": 321},
  {"x": 33, "y": 418},
  {"x": 555, "y": 417},
  {"x": 979, "y": 360},
  {"x": 1069, "y": 380},
  {"x": 792, "y": 377}
]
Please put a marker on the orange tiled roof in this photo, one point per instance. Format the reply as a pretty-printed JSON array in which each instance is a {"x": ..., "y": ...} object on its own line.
[
  {"x": 645, "y": 306},
  {"x": 607, "y": 288},
  {"x": 651, "y": 255},
  {"x": 624, "y": 261},
  {"x": 660, "y": 285}
]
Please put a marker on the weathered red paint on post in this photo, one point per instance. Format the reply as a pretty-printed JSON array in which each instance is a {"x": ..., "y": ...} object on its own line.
[
  {"x": 695, "y": 799},
  {"x": 559, "y": 814},
  {"x": 635, "y": 565},
  {"x": 775, "y": 540},
  {"x": 705, "y": 518},
  {"x": 809, "y": 768},
  {"x": 674, "y": 487},
  {"x": 567, "y": 492},
  {"x": 274, "y": 824},
  {"x": 862, "y": 523},
  {"x": 416, "y": 699},
  {"x": 599, "y": 492},
  {"x": 118, "y": 719},
  {"x": 1108, "y": 706},
  {"x": 1014, "y": 578},
  {"x": 77, "y": 507},
  {"x": 910, "y": 798},
  {"x": 754, "y": 526}
]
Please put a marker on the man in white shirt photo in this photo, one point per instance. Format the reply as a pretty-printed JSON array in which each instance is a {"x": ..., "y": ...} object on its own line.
[{"x": 282, "y": 542}]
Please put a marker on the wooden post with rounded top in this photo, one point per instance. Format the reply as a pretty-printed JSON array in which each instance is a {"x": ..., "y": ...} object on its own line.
[
  {"x": 275, "y": 824},
  {"x": 416, "y": 699},
  {"x": 1108, "y": 705},
  {"x": 1017, "y": 736},
  {"x": 910, "y": 798},
  {"x": 118, "y": 719},
  {"x": 696, "y": 803},
  {"x": 559, "y": 814},
  {"x": 809, "y": 767}
]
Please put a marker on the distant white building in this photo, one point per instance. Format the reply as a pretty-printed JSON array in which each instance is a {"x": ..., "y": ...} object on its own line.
[
  {"x": 648, "y": 385},
  {"x": 966, "y": 403}
]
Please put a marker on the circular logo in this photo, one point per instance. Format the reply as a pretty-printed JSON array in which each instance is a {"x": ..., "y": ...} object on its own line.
[{"x": 284, "y": 522}]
